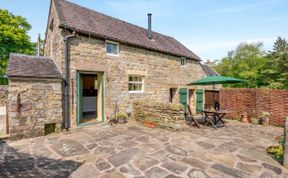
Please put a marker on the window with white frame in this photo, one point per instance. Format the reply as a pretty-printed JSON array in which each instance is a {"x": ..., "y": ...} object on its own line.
[
  {"x": 112, "y": 48},
  {"x": 136, "y": 83},
  {"x": 183, "y": 61}
]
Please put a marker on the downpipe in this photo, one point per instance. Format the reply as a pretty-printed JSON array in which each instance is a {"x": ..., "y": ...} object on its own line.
[{"x": 67, "y": 81}]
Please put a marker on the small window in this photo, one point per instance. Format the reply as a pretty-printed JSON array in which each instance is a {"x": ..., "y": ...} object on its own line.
[
  {"x": 183, "y": 61},
  {"x": 112, "y": 48},
  {"x": 136, "y": 83},
  {"x": 51, "y": 25}
]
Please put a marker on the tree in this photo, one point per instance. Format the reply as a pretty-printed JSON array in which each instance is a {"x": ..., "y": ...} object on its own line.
[
  {"x": 245, "y": 62},
  {"x": 277, "y": 69},
  {"x": 13, "y": 39}
]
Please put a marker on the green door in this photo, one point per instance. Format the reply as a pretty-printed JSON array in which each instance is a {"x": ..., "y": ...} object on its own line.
[
  {"x": 183, "y": 98},
  {"x": 79, "y": 98},
  {"x": 199, "y": 100}
]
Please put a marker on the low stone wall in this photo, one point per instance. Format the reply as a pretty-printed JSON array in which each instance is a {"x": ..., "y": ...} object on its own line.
[
  {"x": 3, "y": 94},
  {"x": 164, "y": 115},
  {"x": 31, "y": 105}
]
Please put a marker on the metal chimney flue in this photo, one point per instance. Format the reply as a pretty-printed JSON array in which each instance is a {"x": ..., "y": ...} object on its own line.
[{"x": 149, "y": 25}]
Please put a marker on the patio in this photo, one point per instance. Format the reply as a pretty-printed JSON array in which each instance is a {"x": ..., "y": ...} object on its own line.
[{"x": 132, "y": 150}]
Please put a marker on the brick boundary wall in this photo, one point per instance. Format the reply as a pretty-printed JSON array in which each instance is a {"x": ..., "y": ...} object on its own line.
[
  {"x": 255, "y": 102},
  {"x": 285, "y": 156}
]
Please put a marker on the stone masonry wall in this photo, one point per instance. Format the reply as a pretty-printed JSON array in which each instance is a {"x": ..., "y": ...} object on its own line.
[
  {"x": 255, "y": 102},
  {"x": 165, "y": 115},
  {"x": 3, "y": 94},
  {"x": 32, "y": 104},
  {"x": 54, "y": 41},
  {"x": 160, "y": 71}
]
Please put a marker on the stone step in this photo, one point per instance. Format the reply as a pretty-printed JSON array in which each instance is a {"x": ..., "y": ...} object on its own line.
[{"x": 4, "y": 136}]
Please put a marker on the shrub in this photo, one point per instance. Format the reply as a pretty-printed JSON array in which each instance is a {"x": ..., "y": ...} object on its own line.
[{"x": 277, "y": 151}]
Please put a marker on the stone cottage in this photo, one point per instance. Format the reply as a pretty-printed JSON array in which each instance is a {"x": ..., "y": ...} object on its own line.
[{"x": 95, "y": 64}]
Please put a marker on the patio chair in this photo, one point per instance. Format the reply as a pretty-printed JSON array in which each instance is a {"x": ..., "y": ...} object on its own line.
[{"x": 190, "y": 120}]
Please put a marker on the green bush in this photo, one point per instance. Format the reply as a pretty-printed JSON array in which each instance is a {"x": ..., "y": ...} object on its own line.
[
  {"x": 282, "y": 140},
  {"x": 276, "y": 151},
  {"x": 122, "y": 115}
]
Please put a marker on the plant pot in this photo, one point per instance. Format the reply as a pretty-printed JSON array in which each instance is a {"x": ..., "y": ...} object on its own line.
[
  {"x": 254, "y": 121},
  {"x": 244, "y": 118},
  {"x": 177, "y": 126},
  {"x": 149, "y": 124},
  {"x": 121, "y": 121},
  {"x": 265, "y": 121}
]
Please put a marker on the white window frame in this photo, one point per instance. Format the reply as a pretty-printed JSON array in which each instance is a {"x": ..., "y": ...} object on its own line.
[
  {"x": 136, "y": 82},
  {"x": 112, "y": 42},
  {"x": 183, "y": 62}
]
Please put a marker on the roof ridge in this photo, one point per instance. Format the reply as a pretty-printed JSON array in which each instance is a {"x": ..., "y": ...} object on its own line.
[
  {"x": 89, "y": 21},
  {"x": 27, "y": 55},
  {"x": 123, "y": 21}
]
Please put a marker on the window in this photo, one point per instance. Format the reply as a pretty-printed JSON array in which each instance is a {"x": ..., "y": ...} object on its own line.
[
  {"x": 51, "y": 46},
  {"x": 51, "y": 25},
  {"x": 112, "y": 48},
  {"x": 136, "y": 83},
  {"x": 183, "y": 61}
]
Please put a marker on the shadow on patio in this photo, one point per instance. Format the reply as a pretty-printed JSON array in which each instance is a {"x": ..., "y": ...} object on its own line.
[{"x": 17, "y": 164}]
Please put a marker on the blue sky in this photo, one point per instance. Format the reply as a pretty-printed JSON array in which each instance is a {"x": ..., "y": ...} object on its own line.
[{"x": 210, "y": 28}]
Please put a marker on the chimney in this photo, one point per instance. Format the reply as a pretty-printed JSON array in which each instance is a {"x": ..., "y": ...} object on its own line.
[{"x": 149, "y": 26}]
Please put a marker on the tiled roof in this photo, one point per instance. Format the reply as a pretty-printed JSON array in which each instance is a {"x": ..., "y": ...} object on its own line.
[
  {"x": 83, "y": 20},
  {"x": 209, "y": 71},
  {"x": 20, "y": 65}
]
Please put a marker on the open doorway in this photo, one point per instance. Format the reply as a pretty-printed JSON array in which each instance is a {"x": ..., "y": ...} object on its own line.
[
  {"x": 192, "y": 100},
  {"x": 172, "y": 93},
  {"x": 90, "y": 98},
  {"x": 211, "y": 99}
]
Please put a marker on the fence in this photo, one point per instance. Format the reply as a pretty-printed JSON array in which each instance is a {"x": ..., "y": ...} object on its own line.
[{"x": 255, "y": 102}]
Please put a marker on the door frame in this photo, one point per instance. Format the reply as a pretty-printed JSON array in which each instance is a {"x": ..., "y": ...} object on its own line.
[{"x": 79, "y": 88}]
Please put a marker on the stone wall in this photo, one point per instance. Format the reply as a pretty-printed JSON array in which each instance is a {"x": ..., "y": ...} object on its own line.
[
  {"x": 54, "y": 41},
  {"x": 31, "y": 105},
  {"x": 164, "y": 115},
  {"x": 161, "y": 71},
  {"x": 254, "y": 102},
  {"x": 3, "y": 94}
]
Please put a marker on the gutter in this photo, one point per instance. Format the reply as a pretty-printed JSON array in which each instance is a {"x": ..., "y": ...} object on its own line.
[{"x": 66, "y": 81}]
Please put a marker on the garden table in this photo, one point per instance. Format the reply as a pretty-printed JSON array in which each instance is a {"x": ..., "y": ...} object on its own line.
[{"x": 214, "y": 117}]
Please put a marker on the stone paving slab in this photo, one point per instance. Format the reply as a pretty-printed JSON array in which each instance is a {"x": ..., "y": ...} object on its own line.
[{"x": 132, "y": 150}]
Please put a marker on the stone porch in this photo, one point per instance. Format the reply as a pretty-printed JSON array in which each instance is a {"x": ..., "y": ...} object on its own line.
[{"x": 132, "y": 150}]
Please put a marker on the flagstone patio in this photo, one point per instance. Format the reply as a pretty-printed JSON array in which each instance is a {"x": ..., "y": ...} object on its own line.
[{"x": 132, "y": 150}]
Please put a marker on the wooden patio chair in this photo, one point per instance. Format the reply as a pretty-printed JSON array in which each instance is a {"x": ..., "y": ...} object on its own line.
[{"x": 190, "y": 119}]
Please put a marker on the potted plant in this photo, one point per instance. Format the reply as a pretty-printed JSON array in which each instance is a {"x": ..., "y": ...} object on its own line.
[
  {"x": 122, "y": 118},
  {"x": 254, "y": 120},
  {"x": 148, "y": 122},
  {"x": 265, "y": 118},
  {"x": 244, "y": 117}
]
